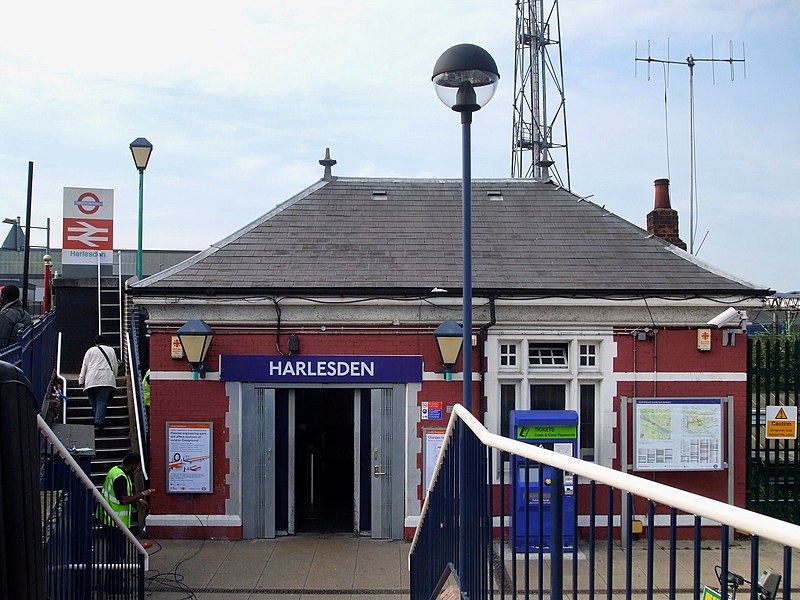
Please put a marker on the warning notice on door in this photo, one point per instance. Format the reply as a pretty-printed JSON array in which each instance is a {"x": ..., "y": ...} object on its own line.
[
  {"x": 189, "y": 451},
  {"x": 781, "y": 422}
]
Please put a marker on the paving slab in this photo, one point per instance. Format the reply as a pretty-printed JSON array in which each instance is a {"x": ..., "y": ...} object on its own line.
[{"x": 344, "y": 567}]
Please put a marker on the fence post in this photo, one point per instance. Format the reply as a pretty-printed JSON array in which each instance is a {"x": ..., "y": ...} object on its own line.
[
  {"x": 21, "y": 564},
  {"x": 557, "y": 537}
]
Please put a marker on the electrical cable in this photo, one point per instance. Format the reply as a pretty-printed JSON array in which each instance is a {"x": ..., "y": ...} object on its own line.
[{"x": 172, "y": 580}]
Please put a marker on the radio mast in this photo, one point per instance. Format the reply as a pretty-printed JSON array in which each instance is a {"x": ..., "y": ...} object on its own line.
[
  {"x": 690, "y": 62},
  {"x": 540, "y": 121}
]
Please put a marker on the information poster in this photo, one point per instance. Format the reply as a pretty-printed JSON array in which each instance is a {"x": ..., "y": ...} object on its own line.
[
  {"x": 189, "y": 451},
  {"x": 434, "y": 439},
  {"x": 673, "y": 434}
]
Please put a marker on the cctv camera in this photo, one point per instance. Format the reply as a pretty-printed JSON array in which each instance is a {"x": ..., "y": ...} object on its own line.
[{"x": 729, "y": 318}]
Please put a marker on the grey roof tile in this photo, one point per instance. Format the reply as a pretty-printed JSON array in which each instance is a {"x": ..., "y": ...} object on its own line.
[{"x": 336, "y": 237}]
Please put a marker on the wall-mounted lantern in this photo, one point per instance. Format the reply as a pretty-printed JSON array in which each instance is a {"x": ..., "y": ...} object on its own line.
[
  {"x": 195, "y": 337},
  {"x": 449, "y": 338}
]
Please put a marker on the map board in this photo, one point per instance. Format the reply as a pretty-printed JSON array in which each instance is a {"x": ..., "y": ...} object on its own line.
[{"x": 674, "y": 434}]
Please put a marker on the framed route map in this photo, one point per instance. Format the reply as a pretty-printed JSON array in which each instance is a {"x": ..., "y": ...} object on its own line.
[{"x": 675, "y": 434}]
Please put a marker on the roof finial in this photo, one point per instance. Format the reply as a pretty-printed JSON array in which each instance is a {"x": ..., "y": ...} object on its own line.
[{"x": 327, "y": 162}]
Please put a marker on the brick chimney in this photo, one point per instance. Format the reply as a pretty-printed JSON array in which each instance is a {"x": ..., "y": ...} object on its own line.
[{"x": 662, "y": 221}]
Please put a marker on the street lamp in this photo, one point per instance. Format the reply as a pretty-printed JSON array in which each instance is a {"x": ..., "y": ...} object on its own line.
[
  {"x": 17, "y": 228},
  {"x": 195, "y": 337},
  {"x": 465, "y": 78},
  {"x": 450, "y": 339},
  {"x": 140, "y": 149}
]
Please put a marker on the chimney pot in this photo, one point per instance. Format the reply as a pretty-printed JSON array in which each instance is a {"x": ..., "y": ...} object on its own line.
[
  {"x": 662, "y": 221},
  {"x": 662, "y": 193}
]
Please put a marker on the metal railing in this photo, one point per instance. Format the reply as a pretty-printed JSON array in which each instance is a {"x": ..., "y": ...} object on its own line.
[
  {"x": 88, "y": 551},
  {"x": 139, "y": 412},
  {"x": 466, "y": 523},
  {"x": 34, "y": 353},
  {"x": 773, "y": 464},
  {"x": 62, "y": 380}
]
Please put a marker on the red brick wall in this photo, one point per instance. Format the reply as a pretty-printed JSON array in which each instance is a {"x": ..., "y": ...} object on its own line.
[
  {"x": 188, "y": 401},
  {"x": 205, "y": 400},
  {"x": 675, "y": 351}
]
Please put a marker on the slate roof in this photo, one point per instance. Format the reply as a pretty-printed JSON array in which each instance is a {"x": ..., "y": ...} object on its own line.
[{"x": 403, "y": 236}]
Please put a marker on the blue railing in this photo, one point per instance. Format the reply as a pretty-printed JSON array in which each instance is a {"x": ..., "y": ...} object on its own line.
[
  {"x": 35, "y": 354},
  {"x": 464, "y": 537},
  {"x": 88, "y": 552}
]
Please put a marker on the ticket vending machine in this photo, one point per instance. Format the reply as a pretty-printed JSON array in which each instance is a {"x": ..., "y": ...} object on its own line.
[{"x": 555, "y": 430}]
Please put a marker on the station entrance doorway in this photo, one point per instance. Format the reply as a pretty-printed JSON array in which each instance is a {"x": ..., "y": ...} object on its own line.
[{"x": 323, "y": 459}]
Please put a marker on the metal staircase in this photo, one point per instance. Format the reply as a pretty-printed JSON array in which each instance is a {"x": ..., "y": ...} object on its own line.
[{"x": 114, "y": 440}]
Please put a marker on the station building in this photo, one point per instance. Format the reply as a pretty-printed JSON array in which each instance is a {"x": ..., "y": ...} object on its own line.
[{"x": 323, "y": 393}]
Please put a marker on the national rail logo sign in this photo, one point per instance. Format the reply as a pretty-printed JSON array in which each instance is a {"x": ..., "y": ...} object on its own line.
[{"x": 88, "y": 232}]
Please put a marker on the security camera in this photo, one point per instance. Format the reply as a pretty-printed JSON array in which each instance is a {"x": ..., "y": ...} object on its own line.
[{"x": 730, "y": 317}]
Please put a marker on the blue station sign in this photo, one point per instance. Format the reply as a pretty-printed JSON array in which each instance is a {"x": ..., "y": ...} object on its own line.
[{"x": 320, "y": 369}]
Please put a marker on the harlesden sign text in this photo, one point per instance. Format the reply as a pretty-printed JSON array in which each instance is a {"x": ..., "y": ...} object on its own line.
[{"x": 320, "y": 369}]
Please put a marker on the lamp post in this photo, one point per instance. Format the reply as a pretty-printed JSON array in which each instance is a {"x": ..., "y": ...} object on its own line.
[
  {"x": 18, "y": 227},
  {"x": 465, "y": 78},
  {"x": 26, "y": 241},
  {"x": 140, "y": 149}
]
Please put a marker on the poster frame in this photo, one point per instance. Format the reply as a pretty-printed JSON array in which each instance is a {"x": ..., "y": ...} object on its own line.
[
  {"x": 173, "y": 447},
  {"x": 428, "y": 456}
]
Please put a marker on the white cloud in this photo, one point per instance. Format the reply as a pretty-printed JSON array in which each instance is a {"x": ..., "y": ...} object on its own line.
[{"x": 240, "y": 101}]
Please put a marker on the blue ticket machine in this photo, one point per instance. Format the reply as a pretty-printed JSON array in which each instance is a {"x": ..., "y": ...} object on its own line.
[{"x": 531, "y": 522}]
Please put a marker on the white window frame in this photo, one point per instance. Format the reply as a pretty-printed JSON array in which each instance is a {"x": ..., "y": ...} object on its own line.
[
  {"x": 552, "y": 366},
  {"x": 572, "y": 375},
  {"x": 516, "y": 354},
  {"x": 593, "y": 355}
]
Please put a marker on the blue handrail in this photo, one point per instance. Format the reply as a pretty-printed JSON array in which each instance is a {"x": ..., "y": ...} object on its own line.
[
  {"x": 471, "y": 539},
  {"x": 34, "y": 353}
]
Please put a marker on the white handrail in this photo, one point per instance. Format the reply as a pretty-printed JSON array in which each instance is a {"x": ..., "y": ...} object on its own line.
[
  {"x": 786, "y": 534},
  {"x": 119, "y": 295},
  {"x": 63, "y": 381},
  {"x": 87, "y": 483},
  {"x": 135, "y": 388}
]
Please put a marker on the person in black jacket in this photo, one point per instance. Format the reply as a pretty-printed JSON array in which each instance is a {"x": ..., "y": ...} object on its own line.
[{"x": 13, "y": 318}]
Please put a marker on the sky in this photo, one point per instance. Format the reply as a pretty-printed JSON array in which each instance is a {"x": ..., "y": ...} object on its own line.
[{"x": 241, "y": 99}]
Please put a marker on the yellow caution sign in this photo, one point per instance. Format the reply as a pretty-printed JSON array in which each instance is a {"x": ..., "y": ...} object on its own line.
[
  {"x": 711, "y": 594},
  {"x": 781, "y": 422}
]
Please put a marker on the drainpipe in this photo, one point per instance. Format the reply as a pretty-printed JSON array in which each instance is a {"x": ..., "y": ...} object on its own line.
[{"x": 482, "y": 335}]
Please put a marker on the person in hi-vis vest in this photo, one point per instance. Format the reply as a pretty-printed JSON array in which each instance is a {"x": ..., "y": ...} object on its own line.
[{"x": 118, "y": 490}]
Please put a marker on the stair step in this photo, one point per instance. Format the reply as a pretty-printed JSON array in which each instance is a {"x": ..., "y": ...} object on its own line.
[{"x": 113, "y": 441}]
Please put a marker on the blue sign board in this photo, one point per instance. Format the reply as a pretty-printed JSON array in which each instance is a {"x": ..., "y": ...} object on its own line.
[{"x": 320, "y": 369}]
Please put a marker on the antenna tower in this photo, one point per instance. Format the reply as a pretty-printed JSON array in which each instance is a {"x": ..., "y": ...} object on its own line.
[
  {"x": 690, "y": 62},
  {"x": 539, "y": 119}
]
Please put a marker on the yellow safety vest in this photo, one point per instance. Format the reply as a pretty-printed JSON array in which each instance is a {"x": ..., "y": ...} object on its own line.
[
  {"x": 146, "y": 388},
  {"x": 123, "y": 510}
]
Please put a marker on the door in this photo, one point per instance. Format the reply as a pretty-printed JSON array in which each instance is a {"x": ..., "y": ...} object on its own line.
[
  {"x": 258, "y": 464},
  {"x": 387, "y": 435},
  {"x": 324, "y": 459}
]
